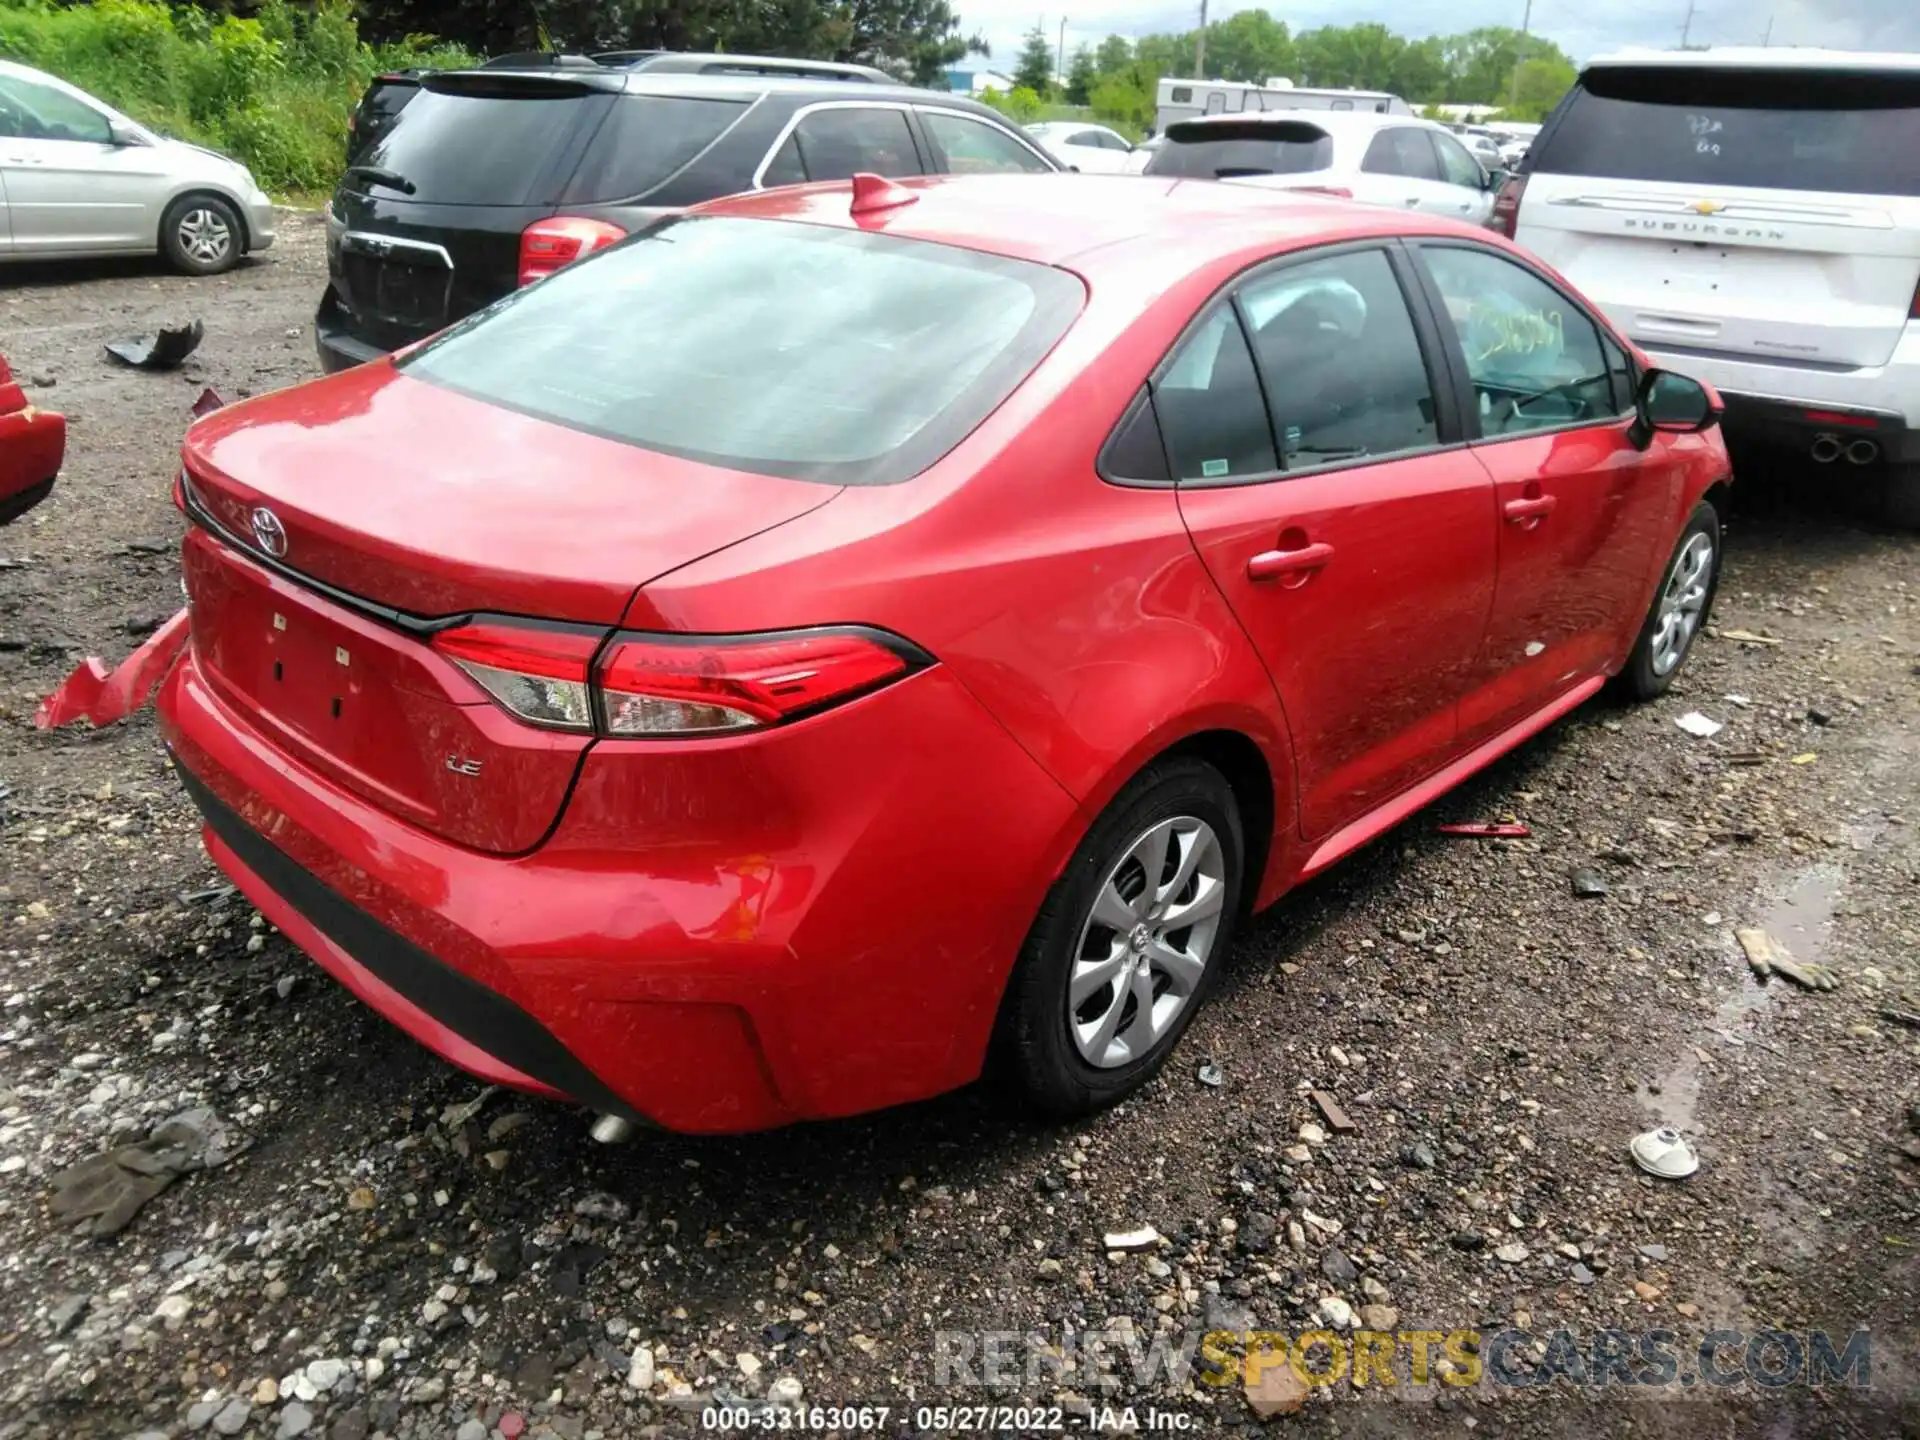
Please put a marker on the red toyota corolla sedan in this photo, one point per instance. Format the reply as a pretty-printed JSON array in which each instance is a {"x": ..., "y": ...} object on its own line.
[{"x": 841, "y": 640}]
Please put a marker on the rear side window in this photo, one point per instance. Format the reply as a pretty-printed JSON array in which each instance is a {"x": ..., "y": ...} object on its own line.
[
  {"x": 837, "y": 144},
  {"x": 973, "y": 147},
  {"x": 1831, "y": 132},
  {"x": 645, "y": 140},
  {"x": 1217, "y": 151},
  {"x": 1402, "y": 151},
  {"x": 1210, "y": 406},
  {"x": 484, "y": 144},
  {"x": 796, "y": 350}
]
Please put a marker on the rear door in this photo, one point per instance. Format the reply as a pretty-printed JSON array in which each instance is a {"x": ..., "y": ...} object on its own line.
[
  {"x": 968, "y": 145},
  {"x": 1312, "y": 446},
  {"x": 1399, "y": 169},
  {"x": 1582, "y": 509},
  {"x": 836, "y": 142},
  {"x": 1763, "y": 214},
  {"x": 1464, "y": 177}
]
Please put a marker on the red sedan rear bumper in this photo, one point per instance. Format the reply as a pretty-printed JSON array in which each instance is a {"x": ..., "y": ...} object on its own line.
[{"x": 718, "y": 936}]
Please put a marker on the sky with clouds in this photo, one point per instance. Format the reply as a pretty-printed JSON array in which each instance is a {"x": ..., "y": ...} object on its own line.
[{"x": 1580, "y": 27}]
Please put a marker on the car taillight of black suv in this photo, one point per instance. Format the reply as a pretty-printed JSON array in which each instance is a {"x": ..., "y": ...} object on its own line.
[{"x": 489, "y": 179}]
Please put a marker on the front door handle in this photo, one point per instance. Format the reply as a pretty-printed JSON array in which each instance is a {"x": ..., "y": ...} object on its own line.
[
  {"x": 1269, "y": 564},
  {"x": 1530, "y": 507}
]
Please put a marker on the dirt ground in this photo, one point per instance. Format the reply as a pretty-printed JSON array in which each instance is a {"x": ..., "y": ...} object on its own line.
[{"x": 387, "y": 1257}]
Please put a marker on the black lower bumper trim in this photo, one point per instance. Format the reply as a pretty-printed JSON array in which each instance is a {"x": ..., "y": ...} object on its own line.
[
  {"x": 483, "y": 1017},
  {"x": 21, "y": 501}
]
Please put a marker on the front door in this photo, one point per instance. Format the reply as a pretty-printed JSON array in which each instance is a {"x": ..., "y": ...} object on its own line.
[
  {"x": 1355, "y": 545},
  {"x": 69, "y": 186},
  {"x": 1582, "y": 508}
]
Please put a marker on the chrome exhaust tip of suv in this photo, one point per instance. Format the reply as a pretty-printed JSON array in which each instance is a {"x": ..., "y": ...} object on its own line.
[
  {"x": 1826, "y": 449},
  {"x": 1863, "y": 452},
  {"x": 612, "y": 1130}
]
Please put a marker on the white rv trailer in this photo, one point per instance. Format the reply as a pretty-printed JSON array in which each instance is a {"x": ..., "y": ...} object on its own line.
[{"x": 1190, "y": 99}]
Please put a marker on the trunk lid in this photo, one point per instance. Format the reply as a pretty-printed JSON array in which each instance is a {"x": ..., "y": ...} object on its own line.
[
  {"x": 1751, "y": 214},
  {"x": 409, "y": 501}
]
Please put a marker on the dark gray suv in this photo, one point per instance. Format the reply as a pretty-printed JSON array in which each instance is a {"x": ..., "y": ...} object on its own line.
[{"x": 487, "y": 179}]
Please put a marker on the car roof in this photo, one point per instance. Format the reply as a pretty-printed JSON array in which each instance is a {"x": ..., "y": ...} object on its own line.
[
  {"x": 656, "y": 82},
  {"x": 1754, "y": 57},
  {"x": 1334, "y": 122},
  {"x": 1089, "y": 222}
]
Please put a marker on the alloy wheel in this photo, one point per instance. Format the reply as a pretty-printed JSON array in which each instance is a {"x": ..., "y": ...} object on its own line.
[
  {"x": 1145, "y": 944},
  {"x": 1682, "y": 602},
  {"x": 205, "y": 236}
]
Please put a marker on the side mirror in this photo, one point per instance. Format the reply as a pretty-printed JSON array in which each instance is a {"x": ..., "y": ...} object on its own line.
[
  {"x": 119, "y": 132},
  {"x": 1672, "y": 404},
  {"x": 1496, "y": 177}
]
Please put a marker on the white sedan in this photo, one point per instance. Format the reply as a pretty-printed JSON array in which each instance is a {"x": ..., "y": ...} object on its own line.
[
  {"x": 78, "y": 178},
  {"x": 1391, "y": 160},
  {"x": 1090, "y": 149}
]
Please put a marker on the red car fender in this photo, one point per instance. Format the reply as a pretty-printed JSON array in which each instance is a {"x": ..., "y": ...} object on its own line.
[{"x": 104, "y": 696}]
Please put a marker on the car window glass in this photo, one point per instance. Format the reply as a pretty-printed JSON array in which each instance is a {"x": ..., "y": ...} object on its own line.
[
  {"x": 1534, "y": 359},
  {"x": 483, "y": 140},
  {"x": 1210, "y": 407},
  {"x": 973, "y": 147},
  {"x": 1342, "y": 361},
  {"x": 1109, "y": 141},
  {"x": 837, "y": 144},
  {"x": 32, "y": 111},
  {"x": 1457, "y": 167},
  {"x": 1413, "y": 153},
  {"x": 645, "y": 141},
  {"x": 1086, "y": 137},
  {"x": 1621, "y": 370},
  {"x": 785, "y": 167},
  {"x": 1134, "y": 451}
]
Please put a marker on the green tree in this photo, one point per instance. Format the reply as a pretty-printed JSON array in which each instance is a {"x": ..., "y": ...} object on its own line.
[
  {"x": 1166, "y": 54},
  {"x": 1537, "y": 87},
  {"x": 1081, "y": 74},
  {"x": 1250, "y": 46},
  {"x": 1034, "y": 69},
  {"x": 1114, "y": 54},
  {"x": 1420, "y": 75},
  {"x": 1483, "y": 62},
  {"x": 1125, "y": 98}
]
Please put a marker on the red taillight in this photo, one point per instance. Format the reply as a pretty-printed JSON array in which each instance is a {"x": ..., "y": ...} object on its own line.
[
  {"x": 704, "y": 685},
  {"x": 1506, "y": 205},
  {"x": 668, "y": 685},
  {"x": 546, "y": 245},
  {"x": 1913, "y": 310},
  {"x": 535, "y": 672}
]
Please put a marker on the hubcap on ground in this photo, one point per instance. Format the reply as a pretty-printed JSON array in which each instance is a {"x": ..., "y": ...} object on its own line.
[
  {"x": 205, "y": 236},
  {"x": 1682, "y": 603},
  {"x": 1146, "y": 942}
]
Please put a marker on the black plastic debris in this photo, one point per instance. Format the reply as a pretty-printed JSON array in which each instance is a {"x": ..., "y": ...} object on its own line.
[
  {"x": 208, "y": 402},
  {"x": 162, "y": 351},
  {"x": 1588, "y": 883}
]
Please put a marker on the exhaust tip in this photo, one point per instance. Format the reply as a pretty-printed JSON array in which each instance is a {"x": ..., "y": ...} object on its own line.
[
  {"x": 612, "y": 1130},
  {"x": 1863, "y": 452},
  {"x": 1826, "y": 449}
]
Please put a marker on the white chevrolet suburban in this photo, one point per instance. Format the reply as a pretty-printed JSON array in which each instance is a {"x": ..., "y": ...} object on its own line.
[{"x": 1752, "y": 217}]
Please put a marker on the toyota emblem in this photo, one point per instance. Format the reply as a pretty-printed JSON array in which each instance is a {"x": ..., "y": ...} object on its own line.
[{"x": 268, "y": 533}]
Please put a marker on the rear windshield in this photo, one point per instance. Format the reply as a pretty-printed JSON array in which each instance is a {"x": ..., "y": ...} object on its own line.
[
  {"x": 787, "y": 349},
  {"x": 1202, "y": 151},
  {"x": 1834, "y": 132},
  {"x": 484, "y": 145}
]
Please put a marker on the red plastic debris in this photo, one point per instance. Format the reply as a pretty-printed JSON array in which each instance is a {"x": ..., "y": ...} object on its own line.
[
  {"x": 1487, "y": 830},
  {"x": 103, "y": 696},
  {"x": 511, "y": 1424}
]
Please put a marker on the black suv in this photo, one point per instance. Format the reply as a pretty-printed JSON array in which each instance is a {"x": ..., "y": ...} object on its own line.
[{"x": 488, "y": 178}]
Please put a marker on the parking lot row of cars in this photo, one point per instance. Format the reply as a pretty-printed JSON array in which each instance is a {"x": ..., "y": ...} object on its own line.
[{"x": 840, "y": 639}]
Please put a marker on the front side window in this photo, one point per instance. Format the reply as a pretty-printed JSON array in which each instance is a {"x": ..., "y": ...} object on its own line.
[
  {"x": 973, "y": 147},
  {"x": 781, "y": 348},
  {"x": 1457, "y": 167},
  {"x": 1211, "y": 411},
  {"x": 1535, "y": 359},
  {"x": 1402, "y": 151},
  {"x": 838, "y": 144},
  {"x": 32, "y": 111},
  {"x": 1341, "y": 359}
]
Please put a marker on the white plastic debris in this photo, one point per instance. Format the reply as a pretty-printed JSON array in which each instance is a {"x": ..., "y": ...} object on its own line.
[
  {"x": 1665, "y": 1153},
  {"x": 1696, "y": 724},
  {"x": 1145, "y": 1238}
]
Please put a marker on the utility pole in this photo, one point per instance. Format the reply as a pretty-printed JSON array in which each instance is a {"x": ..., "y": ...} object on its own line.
[
  {"x": 1766, "y": 40},
  {"x": 1060, "y": 55},
  {"x": 1200, "y": 45},
  {"x": 1686, "y": 29},
  {"x": 1520, "y": 56}
]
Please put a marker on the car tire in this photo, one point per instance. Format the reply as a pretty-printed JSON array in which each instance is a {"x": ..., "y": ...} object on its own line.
[
  {"x": 1900, "y": 496},
  {"x": 202, "y": 235},
  {"x": 1680, "y": 608},
  {"x": 1062, "y": 1006}
]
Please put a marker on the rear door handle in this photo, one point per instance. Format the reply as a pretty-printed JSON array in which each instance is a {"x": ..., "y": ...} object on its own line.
[
  {"x": 1271, "y": 563},
  {"x": 1530, "y": 507}
]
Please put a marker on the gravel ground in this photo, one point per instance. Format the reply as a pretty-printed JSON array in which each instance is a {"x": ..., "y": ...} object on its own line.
[{"x": 397, "y": 1251}]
